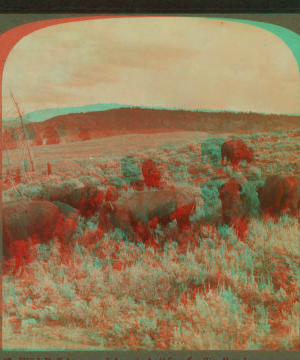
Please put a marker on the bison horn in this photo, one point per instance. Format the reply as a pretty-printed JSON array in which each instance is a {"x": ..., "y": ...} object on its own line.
[
  {"x": 111, "y": 206},
  {"x": 242, "y": 191}
]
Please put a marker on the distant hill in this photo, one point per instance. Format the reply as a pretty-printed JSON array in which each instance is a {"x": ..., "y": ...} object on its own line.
[
  {"x": 45, "y": 114},
  {"x": 84, "y": 126}
]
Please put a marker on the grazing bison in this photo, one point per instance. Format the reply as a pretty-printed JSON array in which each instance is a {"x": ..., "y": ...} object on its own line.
[
  {"x": 24, "y": 219},
  {"x": 86, "y": 198},
  {"x": 91, "y": 200},
  {"x": 236, "y": 151},
  {"x": 151, "y": 174},
  {"x": 67, "y": 222},
  {"x": 137, "y": 209},
  {"x": 279, "y": 193}
]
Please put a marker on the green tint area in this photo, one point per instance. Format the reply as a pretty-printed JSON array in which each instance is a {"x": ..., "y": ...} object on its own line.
[{"x": 289, "y": 37}]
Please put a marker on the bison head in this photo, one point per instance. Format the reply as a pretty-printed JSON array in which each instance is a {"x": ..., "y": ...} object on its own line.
[
  {"x": 151, "y": 174},
  {"x": 112, "y": 194},
  {"x": 91, "y": 201},
  {"x": 231, "y": 195}
]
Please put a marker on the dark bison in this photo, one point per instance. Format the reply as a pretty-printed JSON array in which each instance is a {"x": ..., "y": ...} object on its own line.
[
  {"x": 231, "y": 194},
  {"x": 91, "y": 200},
  {"x": 41, "y": 219},
  {"x": 68, "y": 220},
  {"x": 111, "y": 196},
  {"x": 137, "y": 209},
  {"x": 239, "y": 201},
  {"x": 151, "y": 174},
  {"x": 280, "y": 193},
  {"x": 87, "y": 198},
  {"x": 236, "y": 151}
]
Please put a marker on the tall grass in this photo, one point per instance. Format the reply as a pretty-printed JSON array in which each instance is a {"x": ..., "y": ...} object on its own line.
[{"x": 200, "y": 289}]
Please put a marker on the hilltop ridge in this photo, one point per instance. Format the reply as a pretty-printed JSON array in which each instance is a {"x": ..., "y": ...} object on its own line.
[{"x": 95, "y": 124}]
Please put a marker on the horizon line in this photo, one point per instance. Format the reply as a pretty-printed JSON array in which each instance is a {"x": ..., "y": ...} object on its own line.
[{"x": 113, "y": 106}]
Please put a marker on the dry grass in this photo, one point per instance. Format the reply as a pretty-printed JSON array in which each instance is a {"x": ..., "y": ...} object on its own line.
[{"x": 204, "y": 289}]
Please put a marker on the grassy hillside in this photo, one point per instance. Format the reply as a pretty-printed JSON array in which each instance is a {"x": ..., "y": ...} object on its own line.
[
  {"x": 130, "y": 120},
  {"x": 202, "y": 289}
]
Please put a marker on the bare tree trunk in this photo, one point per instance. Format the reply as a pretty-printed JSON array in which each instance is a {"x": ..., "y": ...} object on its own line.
[{"x": 24, "y": 129}]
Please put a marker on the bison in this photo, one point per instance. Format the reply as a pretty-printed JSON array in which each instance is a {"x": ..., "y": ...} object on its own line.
[
  {"x": 236, "y": 151},
  {"x": 24, "y": 219},
  {"x": 151, "y": 174},
  {"x": 91, "y": 200},
  {"x": 137, "y": 209},
  {"x": 239, "y": 201},
  {"x": 231, "y": 194},
  {"x": 279, "y": 193},
  {"x": 111, "y": 196},
  {"x": 68, "y": 221},
  {"x": 86, "y": 198}
]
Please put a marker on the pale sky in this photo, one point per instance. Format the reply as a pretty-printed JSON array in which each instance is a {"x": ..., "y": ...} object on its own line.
[{"x": 187, "y": 63}]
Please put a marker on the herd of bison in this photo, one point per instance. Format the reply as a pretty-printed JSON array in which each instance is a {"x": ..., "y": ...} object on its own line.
[{"x": 151, "y": 201}]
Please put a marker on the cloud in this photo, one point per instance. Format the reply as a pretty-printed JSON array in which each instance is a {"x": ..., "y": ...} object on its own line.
[{"x": 177, "y": 62}]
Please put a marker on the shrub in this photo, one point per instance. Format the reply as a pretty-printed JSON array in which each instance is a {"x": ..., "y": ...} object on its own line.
[
  {"x": 130, "y": 170},
  {"x": 118, "y": 182},
  {"x": 250, "y": 201},
  {"x": 211, "y": 148},
  {"x": 212, "y": 203}
]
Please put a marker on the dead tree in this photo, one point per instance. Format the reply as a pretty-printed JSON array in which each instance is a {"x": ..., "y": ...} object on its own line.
[{"x": 24, "y": 129}]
